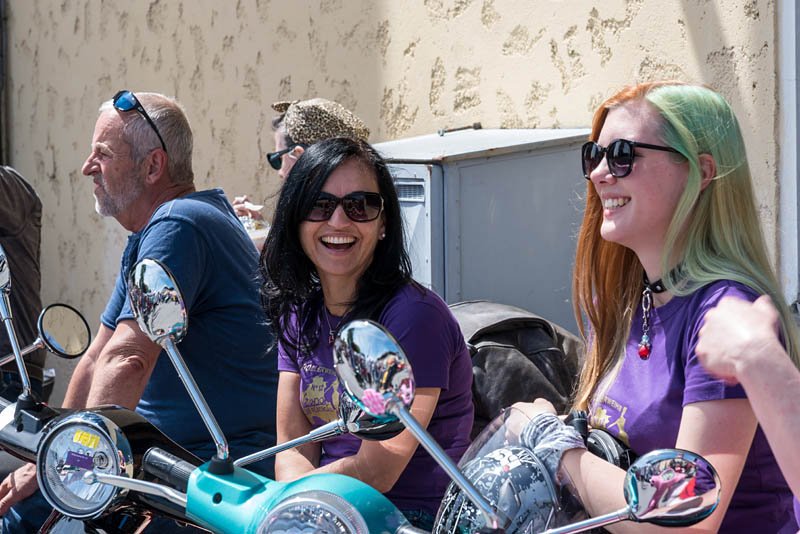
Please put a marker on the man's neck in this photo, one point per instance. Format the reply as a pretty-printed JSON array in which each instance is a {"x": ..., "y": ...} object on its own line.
[{"x": 138, "y": 215}]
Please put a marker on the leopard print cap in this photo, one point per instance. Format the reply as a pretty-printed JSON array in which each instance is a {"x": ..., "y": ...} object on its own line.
[{"x": 309, "y": 121}]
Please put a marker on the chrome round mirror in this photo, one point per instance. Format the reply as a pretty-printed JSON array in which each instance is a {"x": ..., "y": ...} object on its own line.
[
  {"x": 64, "y": 331},
  {"x": 372, "y": 367},
  {"x": 156, "y": 301},
  {"x": 671, "y": 487},
  {"x": 5, "y": 275}
]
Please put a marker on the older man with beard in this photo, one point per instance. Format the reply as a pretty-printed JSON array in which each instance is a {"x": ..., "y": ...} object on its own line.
[{"x": 141, "y": 165}]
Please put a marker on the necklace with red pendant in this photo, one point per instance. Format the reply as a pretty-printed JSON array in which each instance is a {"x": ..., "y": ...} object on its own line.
[
  {"x": 332, "y": 331},
  {"x": 647, "y": 303}
]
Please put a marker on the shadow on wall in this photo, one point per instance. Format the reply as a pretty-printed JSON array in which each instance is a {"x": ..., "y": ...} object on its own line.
[{"x": 225, "y": 63}]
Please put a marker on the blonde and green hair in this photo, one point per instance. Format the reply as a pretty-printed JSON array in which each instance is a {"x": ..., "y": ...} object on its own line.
[{"x": 714, "y": 234}]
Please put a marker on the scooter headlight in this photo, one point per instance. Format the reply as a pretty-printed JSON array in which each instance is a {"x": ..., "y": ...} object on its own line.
[
  {"x": 313, "y": 511},
  {"x": 81, "y": 442}
]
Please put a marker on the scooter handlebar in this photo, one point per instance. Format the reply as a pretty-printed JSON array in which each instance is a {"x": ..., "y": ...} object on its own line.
[{"x": 168, "y": 467}]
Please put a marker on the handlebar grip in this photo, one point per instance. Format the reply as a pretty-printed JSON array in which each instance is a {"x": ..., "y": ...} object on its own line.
[
  {"x": 168, "y": 467},
  {"x": 579, "y": 420}
]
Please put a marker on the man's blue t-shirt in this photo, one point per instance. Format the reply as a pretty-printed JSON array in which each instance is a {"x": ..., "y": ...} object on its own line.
[{"x": 201, "y": 241}]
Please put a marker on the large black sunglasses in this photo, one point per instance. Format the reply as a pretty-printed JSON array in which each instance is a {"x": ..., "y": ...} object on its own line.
[
  {"x": 619, "y": 156},
  {"x": 274, "y": 158},
  {"x": 126, "y": 101},
  {"x": 359, "y": 206}
]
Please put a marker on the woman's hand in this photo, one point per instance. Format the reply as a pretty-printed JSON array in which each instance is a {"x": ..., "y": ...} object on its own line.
[
  {"x": 736, "y": 333},
  {"x": 244, "y": 208}
]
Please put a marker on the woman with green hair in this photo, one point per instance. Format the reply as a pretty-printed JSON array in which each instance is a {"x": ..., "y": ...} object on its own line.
[{"x": 670, "y": 228}]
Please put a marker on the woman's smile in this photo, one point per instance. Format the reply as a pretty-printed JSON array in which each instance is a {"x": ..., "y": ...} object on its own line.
[{"x": 337, "y": 242}]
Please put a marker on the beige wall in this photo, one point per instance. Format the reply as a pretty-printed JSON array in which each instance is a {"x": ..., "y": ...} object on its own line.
[{"x": 406, "y": 67}]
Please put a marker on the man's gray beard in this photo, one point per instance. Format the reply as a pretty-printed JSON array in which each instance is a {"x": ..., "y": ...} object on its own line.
[
  {"x": 113, "y": 207},
  {"x": 100, "y": 211}
]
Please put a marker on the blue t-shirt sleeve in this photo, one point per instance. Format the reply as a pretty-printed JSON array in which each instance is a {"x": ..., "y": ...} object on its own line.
[
  {"x": 182, "y": 248},
  {"x": 700, "y": 385},
  {"x": 421, "y": 328},
  {"x": 115, "y": 305}
]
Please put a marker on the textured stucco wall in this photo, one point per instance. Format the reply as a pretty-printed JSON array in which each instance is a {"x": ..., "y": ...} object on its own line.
[{"x": 407, "y": 67}]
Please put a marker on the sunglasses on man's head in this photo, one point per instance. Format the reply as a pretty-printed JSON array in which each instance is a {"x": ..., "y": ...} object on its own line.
[
  {"x": 359, "y": 206},
  {"x": 619, "y": 156},
  {"x": 126, "y": 101}
]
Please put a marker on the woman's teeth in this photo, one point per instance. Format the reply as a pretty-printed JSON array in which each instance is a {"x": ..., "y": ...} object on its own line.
[
  {"x": 338, "y": 242},
  {"x": 611, "y": 203}
]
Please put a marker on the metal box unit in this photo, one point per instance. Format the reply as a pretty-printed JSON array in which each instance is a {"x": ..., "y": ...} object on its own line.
[{"x": 493, "y": 214}]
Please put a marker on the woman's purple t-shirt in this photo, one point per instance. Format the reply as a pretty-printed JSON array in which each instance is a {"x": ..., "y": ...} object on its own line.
[
  {"x": 643, "y": 406},
  {"x": 431, "y": 339}
]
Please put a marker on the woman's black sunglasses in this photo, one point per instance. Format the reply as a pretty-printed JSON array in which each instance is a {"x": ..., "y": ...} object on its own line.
[
  {"x": 359, "y": 206},
  {"x": 126, "y": 101},
  {"x": 619, "y": 156}
]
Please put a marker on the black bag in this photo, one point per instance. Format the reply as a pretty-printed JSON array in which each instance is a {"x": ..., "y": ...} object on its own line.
[{"x": 516, "y": 356}]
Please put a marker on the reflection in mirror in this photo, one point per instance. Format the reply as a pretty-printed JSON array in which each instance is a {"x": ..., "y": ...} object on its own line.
[
  {"x": 372, "y": 366},
  {"x": 364, "y": 425},
  {"x": 5, "y": 275},
  {"x": 671, "y": 487},
  {"x": 156, "y": 301},
  {"x": 64, "y": 331}
]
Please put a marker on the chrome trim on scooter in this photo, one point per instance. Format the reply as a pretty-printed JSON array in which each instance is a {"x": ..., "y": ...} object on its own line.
[{"x": 142, "y": 486}]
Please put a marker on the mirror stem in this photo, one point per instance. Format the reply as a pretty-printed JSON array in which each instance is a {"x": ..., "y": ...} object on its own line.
[
  {"x": 5, "y": 314},
  {"x": 197, "y": 397},
  {"x": 396, "y": 407},
  {"x": 593, "y": 522},
  {"x": 27, "y": 350},
  {"x": 334, "y": 428}
]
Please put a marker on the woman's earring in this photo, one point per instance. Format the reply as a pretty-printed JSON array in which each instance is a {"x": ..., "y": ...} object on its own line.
[{"x": 383, "y": 234}]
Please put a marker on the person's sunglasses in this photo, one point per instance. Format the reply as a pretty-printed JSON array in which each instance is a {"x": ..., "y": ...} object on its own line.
[
  {"x": 619, "y": 156},
  {"x": 274, "y": 158},
  {"x": 126, "y": 101},
  {"x": 359, "y": 206}
]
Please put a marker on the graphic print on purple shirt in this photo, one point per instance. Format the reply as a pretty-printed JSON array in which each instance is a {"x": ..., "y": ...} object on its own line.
[
  {"x": 431, "y": 339},
  {"x": 643, "y": 406}
]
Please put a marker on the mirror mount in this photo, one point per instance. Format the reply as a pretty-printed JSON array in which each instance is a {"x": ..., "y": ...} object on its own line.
[
  {"x": 62, "y": 330},
  {"x": 157, "y": 303},
  {"x": 377, "y": 376},
  {"x": 351, "y": 421},
  {"x": 667, "y": 487},
  {"x": 27, "y": 399}
]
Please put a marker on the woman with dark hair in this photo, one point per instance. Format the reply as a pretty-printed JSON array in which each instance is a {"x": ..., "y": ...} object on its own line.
[{"x": 335, "y": 253}]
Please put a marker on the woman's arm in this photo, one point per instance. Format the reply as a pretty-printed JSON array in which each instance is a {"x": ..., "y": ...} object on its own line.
[
  {"x": 379, "y": 463},
  {"x": 720, "y": 430},
  {"x": 739, "y": 342},
  {"x": 293, "y": 423},
  {"x": 772, "y": 383}
]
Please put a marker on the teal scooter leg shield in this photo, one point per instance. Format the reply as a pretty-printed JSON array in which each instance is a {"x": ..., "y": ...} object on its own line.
[{"x": 243, "y": 503}]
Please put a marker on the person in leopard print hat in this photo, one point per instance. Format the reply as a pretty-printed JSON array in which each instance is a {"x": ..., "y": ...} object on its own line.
[{"x": 299, "y": 124}]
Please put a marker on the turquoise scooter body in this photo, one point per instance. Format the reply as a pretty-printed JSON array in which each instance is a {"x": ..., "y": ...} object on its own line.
[{"x": 237, "y": 503}]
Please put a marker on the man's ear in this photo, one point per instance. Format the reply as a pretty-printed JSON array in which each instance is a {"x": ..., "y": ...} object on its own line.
[
  {"x": 708, "y": 170},
  {"x": 156, "y": 163}
]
